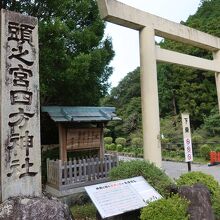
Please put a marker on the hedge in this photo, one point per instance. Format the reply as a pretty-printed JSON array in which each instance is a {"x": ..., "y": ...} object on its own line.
[
  {"x": 171, "y": 208},
  {"x": 152, "y": 174}
]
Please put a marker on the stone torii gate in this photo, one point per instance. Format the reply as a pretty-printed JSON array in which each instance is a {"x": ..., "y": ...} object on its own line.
[{"x": 150, "y": 26}]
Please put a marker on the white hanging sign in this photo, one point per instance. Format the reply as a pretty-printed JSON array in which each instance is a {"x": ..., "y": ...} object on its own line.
[{"x": 187, "y": 137}]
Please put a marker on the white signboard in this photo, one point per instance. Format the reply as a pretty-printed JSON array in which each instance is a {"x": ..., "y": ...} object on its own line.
[
  {"x": 187, "y": 137},
  {"x": 117, "y": 197}
]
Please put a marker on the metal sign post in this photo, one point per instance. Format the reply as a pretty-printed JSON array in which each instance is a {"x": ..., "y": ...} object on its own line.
[{"x": 187, "y": 139}]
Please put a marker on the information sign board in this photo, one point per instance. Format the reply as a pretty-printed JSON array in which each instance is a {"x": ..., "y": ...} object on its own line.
[
  {"x": 187, "y": 137},
  {"x": 117, "y": 197}
]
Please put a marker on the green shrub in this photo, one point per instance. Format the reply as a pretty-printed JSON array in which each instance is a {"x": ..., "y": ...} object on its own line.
[
  {"x": 121, "y": 141},
  {"x": 107, "y": 146},
  {"x": 127, "y": 149},
  {"x": 165, "y": 140},
  {"x": 137, "y": 150},
  {"x": 216, "y": 205},
  {"x": 217, "y": 149},
  {"x": 197, "y": 138},
  {"x": 198, "y": 177},
  {"x": 204, "y": 151},
  {"x": 155, "y": 176},
  {"x": 171, "y": 208},
  {"x": 85, "y": 211},
  {"x": 108, "y": 140},
  {"x": 209, "y": 181},
  {"x": 165, "y": 153},
  {"x": 119, "y": 148},
  {"x": 181, "y": 153},
  {"x": 112, "y": 147},
  {"x": 137, "y": 142},
  {"x": 107, "y": 132},
  {"x": 141, "y": 150},
  {"x": 173, "y": 153}
]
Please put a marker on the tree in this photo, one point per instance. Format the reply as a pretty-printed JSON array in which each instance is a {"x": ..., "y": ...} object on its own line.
[
  {"x": 74, "y": 58},
  {"x": 212, "y": 123},
  {"x": 126, "y": 97}
]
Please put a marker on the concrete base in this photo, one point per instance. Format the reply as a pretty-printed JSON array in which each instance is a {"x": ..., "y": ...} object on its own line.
[
  {"x": 63, "y": 193},
  {"x": 70, "y": 196}
]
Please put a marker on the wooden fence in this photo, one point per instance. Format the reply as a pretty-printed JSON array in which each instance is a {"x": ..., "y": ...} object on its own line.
[{"x": 78, "y": 173}]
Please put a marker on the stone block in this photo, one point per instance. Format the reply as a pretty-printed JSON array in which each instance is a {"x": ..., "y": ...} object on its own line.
[
  {"x": 34, "y": 208},
  {"x": 200, "y": 201}
]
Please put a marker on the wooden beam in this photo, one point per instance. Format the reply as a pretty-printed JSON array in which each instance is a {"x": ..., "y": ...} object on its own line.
[
  {"x": 119, "y": 13},
  {"x": 186, "y": 60}
]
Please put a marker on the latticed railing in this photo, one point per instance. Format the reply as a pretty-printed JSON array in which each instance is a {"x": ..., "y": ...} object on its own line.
[{"x": 79, "y": 172}]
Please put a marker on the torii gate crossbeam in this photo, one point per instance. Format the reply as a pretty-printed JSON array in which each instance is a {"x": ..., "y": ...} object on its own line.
[{"x": 150, "y": 26}]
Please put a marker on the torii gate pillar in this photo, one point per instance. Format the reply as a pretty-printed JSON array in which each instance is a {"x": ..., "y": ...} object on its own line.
[
  {"x": 216, "y": 56},
  {"x": 149, "y": 94}
]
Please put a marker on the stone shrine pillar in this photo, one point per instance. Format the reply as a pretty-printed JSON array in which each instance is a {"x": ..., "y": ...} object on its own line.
[{"x": 20, "y": 115}]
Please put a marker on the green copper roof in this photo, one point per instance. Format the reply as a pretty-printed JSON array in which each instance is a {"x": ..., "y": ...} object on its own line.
[{"x": 80, "y": 114}]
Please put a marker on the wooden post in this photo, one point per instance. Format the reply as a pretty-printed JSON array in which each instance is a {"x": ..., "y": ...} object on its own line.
[
  {"x": 102, "y": 150},
  {"x": 71, "y": 171},
  {"x": 65, "y": 172},
  {"x": 48, "y": 160},
  {"x": 75, "y": 170},
  {"x": 80, "y": 170},
  {"x": 62, "y": 142},
  {"x": 60, "y": 174}
]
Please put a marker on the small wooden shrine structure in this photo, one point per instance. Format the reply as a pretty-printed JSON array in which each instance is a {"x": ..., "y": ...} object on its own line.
[{"x": 80, "y": 129}]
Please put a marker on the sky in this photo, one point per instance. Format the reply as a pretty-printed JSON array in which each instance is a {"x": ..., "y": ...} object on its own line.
[{"x": 126, "y": 41}]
